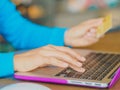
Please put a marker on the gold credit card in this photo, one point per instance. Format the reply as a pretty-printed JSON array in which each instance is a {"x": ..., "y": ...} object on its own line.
[{"x": 107, "y": 24}]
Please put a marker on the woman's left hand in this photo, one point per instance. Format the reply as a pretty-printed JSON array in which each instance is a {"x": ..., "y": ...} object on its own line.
[{"x": 83, "y": 34}]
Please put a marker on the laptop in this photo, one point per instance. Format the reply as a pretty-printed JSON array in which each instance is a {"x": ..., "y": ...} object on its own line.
[{"x": 102, "y": 71}]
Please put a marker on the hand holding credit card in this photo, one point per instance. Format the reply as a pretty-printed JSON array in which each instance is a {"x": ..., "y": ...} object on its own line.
[{"x": 107, "y": 24}]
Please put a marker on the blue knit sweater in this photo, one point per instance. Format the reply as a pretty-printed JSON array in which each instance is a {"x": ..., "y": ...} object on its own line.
[{"x": 23, "y": 34}]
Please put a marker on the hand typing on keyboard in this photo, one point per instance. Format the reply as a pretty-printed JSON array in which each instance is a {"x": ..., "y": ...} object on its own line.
[
  {"x": 97, "y": 66},
  {"x": 48, "y": 55}
]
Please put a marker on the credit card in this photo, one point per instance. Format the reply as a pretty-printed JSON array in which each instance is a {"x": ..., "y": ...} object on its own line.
[{"x": 106, "y": 26}]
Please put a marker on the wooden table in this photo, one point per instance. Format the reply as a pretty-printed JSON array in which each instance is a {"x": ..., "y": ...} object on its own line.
[{"x": 109, "y": 42}]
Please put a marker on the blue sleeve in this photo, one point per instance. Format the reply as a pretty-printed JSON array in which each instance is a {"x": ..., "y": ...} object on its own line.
[
  {"x": 6, "y": 64},
  {"x": 23, "y": 34}
]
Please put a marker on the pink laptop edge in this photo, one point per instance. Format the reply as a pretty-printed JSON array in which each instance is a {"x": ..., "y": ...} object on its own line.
[{"x": 63, "y": 81}]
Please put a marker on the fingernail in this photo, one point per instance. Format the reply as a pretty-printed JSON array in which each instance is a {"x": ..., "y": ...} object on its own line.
[
  {"x": 89, "y": 34},
  {"x": 65, "y": 65},
  {"x": 92, "y": 30},
  {"x": 79, "y": 64},
  {"x": 82, "y": 70},
  {"x": 83, "y": 58}
]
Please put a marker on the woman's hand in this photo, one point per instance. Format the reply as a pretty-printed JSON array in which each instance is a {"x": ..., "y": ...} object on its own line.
[
  {"x": 48, "y": 55},
  {"x": 83, "y": 34}
]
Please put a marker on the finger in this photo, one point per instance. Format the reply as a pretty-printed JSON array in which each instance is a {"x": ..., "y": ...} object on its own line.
[
  {"x": 92, "y": 33},
  {"x": 93, "y": 30},
  {"x": 62, "y": 56},
  {"x": 90, "y": 39},
  {"x": 70, "y": 52},
  {"x": 79, "y": 69},
  {"x": 94, "y": 21},
  {"x": 83, "y": 42},
  {"x": 92, "y": 25},
  {"x": 56, "y": 62},
  {"x": 87, "y": 26}
]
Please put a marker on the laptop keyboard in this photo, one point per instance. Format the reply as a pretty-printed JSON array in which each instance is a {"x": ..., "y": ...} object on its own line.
[{"x": 97, "y": 66}]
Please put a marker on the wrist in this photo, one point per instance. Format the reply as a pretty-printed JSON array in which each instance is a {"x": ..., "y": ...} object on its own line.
[
  {"x": 15, "y": 62},
  {"x": 67, "y": 39}
]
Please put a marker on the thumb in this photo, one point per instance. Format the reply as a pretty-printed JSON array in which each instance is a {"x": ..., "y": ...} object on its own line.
[
  {"x": 93, "y": 24},
  {"x": 86, "y": 27}
]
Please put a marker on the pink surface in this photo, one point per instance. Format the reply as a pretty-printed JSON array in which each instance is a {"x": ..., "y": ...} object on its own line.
[
  {"x": 51, "y": 80},
  {"x": 41, "y": 79},
  {"x": 63, "y": 81},
  {"x": 116, "y": 77}
]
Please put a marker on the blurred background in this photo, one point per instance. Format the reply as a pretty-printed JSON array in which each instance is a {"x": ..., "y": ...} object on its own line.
[{"x": 64, "y": 13}]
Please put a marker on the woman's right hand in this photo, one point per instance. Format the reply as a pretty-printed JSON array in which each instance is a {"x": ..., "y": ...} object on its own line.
[{"x": 48, "y": 55}]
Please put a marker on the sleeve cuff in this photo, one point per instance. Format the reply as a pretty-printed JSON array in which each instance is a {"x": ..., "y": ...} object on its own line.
[
  {"x": 6, "y": 64},
  {"x": 57, "y": 37}
]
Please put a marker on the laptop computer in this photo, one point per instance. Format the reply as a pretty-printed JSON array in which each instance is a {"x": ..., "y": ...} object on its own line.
[{"x": 102, "y": 71}]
